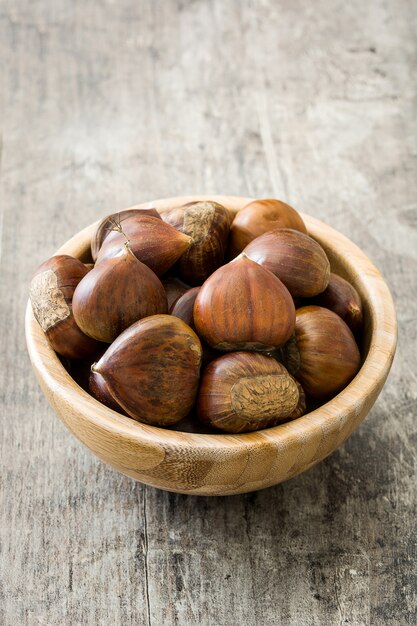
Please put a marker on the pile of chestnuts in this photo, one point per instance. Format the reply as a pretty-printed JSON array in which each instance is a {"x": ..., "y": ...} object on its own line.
[{"x": 200, "y": 321}]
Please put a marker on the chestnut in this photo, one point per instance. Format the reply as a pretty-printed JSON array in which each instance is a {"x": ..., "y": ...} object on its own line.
[
  {"x": 116, "y": 293},
  {"x": 115, "y": 221},
  {"x": 328, "y": 357},
  {"x": 183, "y": 307},
  {"x": 342, "y": 298},
  {"x": 297, "y": 259},
  {"x": 243, "y": 306},
  {"x": 208, "y": 225},
  {"x": 51, "y": 294},
  {"x": 257, "y": 218},
  {"x": 155, "y": 243},
  {"x": 246, "y": 391},
  {"x": 152, "y": 369},
  {"x": 98, "y": 388},
  {"x": 174, "y": 289}
]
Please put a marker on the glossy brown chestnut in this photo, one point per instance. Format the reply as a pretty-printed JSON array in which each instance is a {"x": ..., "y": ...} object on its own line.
[
  {"x": 114, "y": 221},
  {"x": 115, "y": 294},
  {"x": 184, "y": 306},
  {"x": 246, "y": 391},
  {"x": 297, "y": 259},
  {"x": 155, "y": 243},
  {"x": 51, "y": 293},
  {"x": 342, "y": 298},
  {"x": 184, "y": 309},
  {"x": 208, "y": 225},
  {"x": 152, "y": 369},
  {"x": 243, "y": 306},
  {"x": 259, "y": 217},
  {"x": 99, "y": 390},
  {"x": 174, "y": 289},
  {"x": 328, "y": 355}
]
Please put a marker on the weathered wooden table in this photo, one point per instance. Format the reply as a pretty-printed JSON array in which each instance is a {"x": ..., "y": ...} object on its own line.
[{"x": 107, "y": 103}]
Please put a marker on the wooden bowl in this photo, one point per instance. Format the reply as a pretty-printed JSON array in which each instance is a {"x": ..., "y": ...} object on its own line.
[{"x": 228, "y": 464}]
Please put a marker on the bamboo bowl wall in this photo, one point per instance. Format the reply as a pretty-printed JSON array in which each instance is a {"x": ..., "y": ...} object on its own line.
[{"x": 227, "y": 464}]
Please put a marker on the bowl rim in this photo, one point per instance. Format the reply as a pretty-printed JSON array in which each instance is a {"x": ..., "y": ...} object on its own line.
[{"x": 332, "y": 415}]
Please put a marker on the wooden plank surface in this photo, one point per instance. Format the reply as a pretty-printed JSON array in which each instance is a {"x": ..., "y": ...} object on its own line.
[{"x": 106, "y": 104}]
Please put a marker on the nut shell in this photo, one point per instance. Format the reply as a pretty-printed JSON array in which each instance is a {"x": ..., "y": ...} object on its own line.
[
  {"x": 112, "y": 221},
  {"x": 295, "y": 258},
  {"x": 115, "y": 294},
  {"x": 98, "y": 388},
  {"x": 342, "y": 298},
  {"x": 208, "y": 225},
  {"x": 155, "y": 243},
  {"x": 183, "y": 307},
  {"x": 329, "y": 356},
  {"x": 246, "y": 391},
  {"x": 174, "y": 289},
  {"x": 261, "y": 216},
  {"x": 152, "y": 369},
  {"x": 51, "y": 294},
  {"x": 243, "y": 306}
]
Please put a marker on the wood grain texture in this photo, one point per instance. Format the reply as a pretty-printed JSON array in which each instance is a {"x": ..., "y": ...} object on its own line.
[
  {"x": 228, "y": 464},
  {"x": 104, "y": 104}
]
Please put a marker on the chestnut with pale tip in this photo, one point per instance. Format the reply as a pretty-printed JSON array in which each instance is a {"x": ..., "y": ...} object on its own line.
[
  {"x": 342, "y": 298},
  {"x": 328, "y": 356},
  {"x": 115, "y": 294},
  {"x": 247, "y": 391},
  {"x": 155, "y": 243},
  {"x": 295, "y": 258},
  {"x": 207, "y": 223},
  {"x": 51, "y": 295},
  {"x": 243, "y": 306},
  {"x": 113, "y": 222},
  {"x": 152, "y": 369},
  {"x": 259, "y": 217}
]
